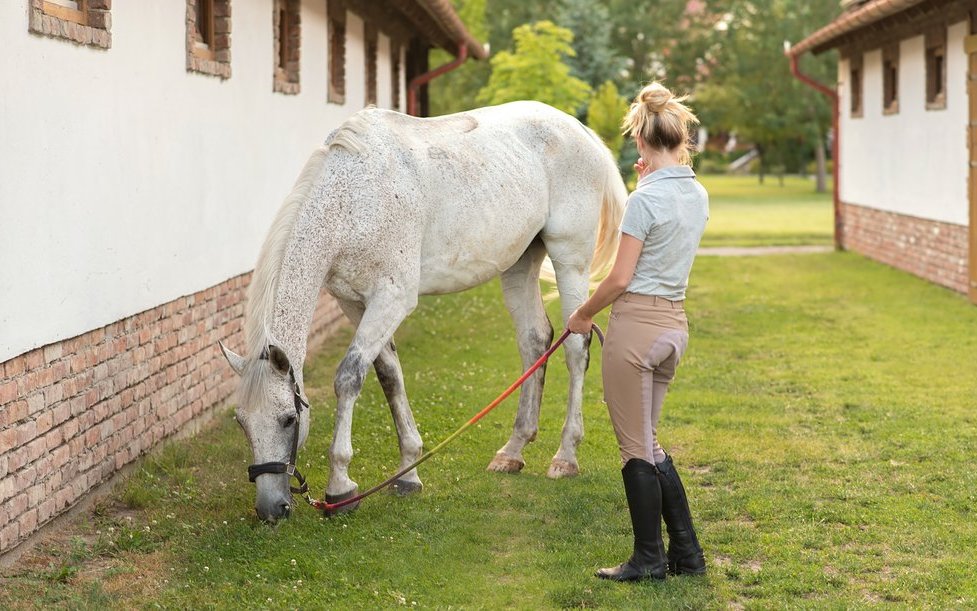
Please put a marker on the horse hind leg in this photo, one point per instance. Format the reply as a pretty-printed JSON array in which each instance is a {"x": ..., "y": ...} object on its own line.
[
  {"x": 573, "y": 284},
  {"x": 391, "y": 377},
  {"x": 520, "y": 289}
]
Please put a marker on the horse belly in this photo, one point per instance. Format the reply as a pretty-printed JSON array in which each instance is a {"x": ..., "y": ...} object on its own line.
[{"x": 460, "y": 260}]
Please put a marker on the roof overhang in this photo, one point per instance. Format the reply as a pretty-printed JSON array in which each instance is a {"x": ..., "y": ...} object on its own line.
[
  {"x": 434, "y": 20},
  {"x": 850, "y": 23}
]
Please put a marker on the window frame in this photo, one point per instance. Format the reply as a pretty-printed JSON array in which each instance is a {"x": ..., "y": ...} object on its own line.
[
  {"x": 371, "y": 39},
  {"x": 287, "y": 25},
  {"x": 336, "y": 17},
  {"x": 89, "y": 25},
  {"x": 209, "y": 48},
  {"x": 890, "y": 79},
  {"x": 936, "y": 69},
  {"x": 856, "y": 86}
]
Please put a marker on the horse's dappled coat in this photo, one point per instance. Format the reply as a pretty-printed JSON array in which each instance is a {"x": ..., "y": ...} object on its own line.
[{"x": 393, "y": 207}]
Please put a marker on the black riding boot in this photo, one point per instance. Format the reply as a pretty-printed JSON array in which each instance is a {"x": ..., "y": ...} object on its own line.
[
  {"x": 684, "y": 552},
  {"x": 645, "y": 505}
]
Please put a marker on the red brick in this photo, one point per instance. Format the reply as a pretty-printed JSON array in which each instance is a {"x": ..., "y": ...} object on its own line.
[
  {"x": 14, "y": 367},
  {"x": 9, "y": 536},
  {"x": 8, "y": 391}
]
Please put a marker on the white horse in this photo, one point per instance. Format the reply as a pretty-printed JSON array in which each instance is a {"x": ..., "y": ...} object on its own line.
[{"x": 392, "y": 207}]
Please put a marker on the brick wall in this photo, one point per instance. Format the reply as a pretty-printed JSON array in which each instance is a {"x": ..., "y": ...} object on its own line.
[
  {"x": 74, "y": 412},
  {"x": 932, "y": 250}
]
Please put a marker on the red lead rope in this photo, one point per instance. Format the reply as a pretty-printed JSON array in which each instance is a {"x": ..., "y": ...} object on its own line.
[{"x": 332, "y": 507}]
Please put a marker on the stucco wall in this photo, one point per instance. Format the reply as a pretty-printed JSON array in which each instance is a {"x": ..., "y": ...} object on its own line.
[
  {"x": 127, "y": 182},
  {"x": 913, "y": 162}
]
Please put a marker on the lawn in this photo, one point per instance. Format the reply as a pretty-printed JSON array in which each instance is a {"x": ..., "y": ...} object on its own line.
[
  {"x": 743, "y": 212},
  {"x": 823, "y": 420}
]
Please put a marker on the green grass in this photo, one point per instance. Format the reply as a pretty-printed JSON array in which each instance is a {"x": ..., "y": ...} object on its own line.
[
  {"x": 823, "y": 421},
  {"x": 743, "y": 212}
]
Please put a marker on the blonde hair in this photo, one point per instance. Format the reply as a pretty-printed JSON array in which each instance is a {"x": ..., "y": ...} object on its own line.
[{"x": 661, "y": 120}]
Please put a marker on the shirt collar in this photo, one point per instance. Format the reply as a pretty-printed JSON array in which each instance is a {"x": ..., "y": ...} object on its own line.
[{"x": 675, "y": 171}]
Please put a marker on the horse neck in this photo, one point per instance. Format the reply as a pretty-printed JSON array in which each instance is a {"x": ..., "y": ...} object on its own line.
[{"x": 297, "y": 295}]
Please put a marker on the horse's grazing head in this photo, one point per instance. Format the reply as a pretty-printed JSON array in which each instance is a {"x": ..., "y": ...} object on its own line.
[{"x": 274, "y": 416}]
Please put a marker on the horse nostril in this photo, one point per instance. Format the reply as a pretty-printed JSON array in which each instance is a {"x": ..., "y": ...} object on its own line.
[{"x": 286, "y": 510}]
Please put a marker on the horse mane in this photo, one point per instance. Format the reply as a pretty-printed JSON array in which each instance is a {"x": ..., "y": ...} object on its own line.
[
  {"x": 349, "y": 135},
  {"x": 264, "y": 281}
]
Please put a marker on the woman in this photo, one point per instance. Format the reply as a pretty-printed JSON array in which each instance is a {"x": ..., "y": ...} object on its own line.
[{"x": 648, "y": 331}]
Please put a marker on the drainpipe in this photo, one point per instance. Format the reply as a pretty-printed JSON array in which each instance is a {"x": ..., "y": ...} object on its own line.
[
  {"x": 835, "y": 160},
  {"x": 423, "y": 79}
]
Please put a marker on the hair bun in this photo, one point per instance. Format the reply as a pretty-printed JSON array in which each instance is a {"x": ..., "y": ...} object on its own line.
[{"x": 656, "y": 97}]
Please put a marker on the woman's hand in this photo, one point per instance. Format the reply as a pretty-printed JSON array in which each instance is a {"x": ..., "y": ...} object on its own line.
[
  {"x": 578, "y": 323},
  {"x": 642, "y": 168}
]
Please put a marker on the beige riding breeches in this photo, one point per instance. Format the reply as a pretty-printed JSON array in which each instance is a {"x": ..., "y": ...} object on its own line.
[{"x": 646, "y": 337}]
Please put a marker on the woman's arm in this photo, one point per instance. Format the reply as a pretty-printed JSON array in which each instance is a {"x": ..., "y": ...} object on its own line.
[{"x": 611, "y": 287}]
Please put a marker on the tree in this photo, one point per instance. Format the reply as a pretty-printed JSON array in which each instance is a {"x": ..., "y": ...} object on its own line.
[
  {"x": 750, "y": 89},
  {"x": 596, "y": 60},
  {"x": 536, "y": 70},
  {"x": 604, "y": 114}
]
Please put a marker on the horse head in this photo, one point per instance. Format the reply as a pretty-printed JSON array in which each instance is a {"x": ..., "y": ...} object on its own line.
[{"x": 274, "y": 416}]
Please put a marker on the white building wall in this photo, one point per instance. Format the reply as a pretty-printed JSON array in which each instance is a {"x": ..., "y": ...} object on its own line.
[
  {"x": 913, "y": 162},
  {"x": 126, "y": 182}
]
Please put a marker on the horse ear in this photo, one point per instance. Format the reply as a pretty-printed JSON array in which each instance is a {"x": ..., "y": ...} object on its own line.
[
  {"x": 236, "y": 361},
  {"x": 279, "y": 360}
]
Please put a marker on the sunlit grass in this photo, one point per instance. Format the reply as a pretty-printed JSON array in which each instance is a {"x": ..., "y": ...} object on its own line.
[
  {"x": 823, "y": 420},
  {"x": 742, "y": 212}
]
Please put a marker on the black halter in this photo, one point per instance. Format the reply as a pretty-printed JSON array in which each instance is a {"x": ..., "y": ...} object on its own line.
[{"x": 279, "y": 467}]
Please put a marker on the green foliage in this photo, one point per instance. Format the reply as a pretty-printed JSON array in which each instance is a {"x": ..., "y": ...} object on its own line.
[
  {"x": 596, "y": 59},
  {"x": 535, "y": 70},
  {"x": 604, "y": 113}
]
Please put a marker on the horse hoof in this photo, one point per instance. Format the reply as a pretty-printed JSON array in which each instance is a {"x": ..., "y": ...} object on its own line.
[
  {"x": 562, "y": 468},
  {"x": 403, "y": 487},
  {"x": 338, "y": 498},
  {"x": 503, "y": 463}
]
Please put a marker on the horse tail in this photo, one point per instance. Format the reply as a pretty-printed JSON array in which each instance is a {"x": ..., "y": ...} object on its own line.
[
  {"x": 614, "y": 196},
  {"x": 613, "y": 200}
]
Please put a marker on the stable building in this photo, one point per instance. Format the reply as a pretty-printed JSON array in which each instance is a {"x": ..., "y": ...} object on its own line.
[
  {"x": 906, "y": 107},
  {"x": 146, "y": 147}
]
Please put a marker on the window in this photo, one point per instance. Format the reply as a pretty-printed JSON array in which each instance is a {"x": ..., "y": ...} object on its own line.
[
  {"x": 336, "y": 10},
  {"x": 288, "y": 38},
  {"x": 86, "y": 22},
  {"x": 936, "y": 69},
  {"x": 394, "y": 75},
  {"x": 855, "y": 85},
  {"x": 209, "y": 37},
  {"x": 890, "y": 79},
  {"x": 370, "y": 35}
]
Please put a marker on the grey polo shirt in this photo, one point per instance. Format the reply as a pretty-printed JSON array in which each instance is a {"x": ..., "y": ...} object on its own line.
[{"x": 668, "y": 213}]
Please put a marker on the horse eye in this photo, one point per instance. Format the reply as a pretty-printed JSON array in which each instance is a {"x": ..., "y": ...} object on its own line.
[{"x": 287, "y": 422}]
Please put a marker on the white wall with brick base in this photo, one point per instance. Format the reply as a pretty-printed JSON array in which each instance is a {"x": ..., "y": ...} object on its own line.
[
  {"x": 76, "y": 411},
  {"x": 929, "y": 249},
  {"x": 134, "y": 197}
]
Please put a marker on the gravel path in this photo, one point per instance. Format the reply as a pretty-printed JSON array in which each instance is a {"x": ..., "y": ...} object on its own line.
[{"x": 756, "y": 251}]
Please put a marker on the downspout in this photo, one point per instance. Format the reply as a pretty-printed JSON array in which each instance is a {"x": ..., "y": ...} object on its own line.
[
  {"x": 427, "y": 77},
  {"x": 835, "y": 160}
]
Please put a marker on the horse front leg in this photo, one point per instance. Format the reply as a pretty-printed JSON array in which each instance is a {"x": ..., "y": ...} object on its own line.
[{"x": 376, "y": 327}]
